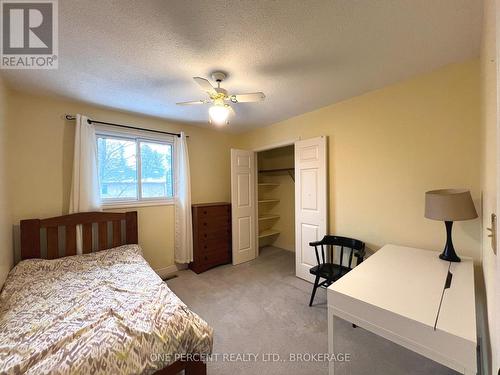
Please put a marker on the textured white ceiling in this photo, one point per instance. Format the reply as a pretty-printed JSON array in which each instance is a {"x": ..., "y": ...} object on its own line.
[{"x": 140, "y": 55}]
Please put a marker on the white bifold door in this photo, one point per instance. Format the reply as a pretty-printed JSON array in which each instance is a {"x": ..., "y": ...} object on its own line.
[
  {"x": 243, "y": 203},
  {"x": 310, "y": 202}
]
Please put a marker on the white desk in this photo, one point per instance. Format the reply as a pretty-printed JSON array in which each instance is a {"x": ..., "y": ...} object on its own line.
[{"x": 399, "y": 293}]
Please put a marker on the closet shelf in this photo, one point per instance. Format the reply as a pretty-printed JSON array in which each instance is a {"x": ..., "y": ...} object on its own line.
[
  {"x": 270, "y": 184},
  {"x": 276, "y": 170},
  {"x": 269, "y": 200},
  {"x": 268, "y": 233},
  {"x": 290, "y": 171},
  {"x": 268, "y": 217}
]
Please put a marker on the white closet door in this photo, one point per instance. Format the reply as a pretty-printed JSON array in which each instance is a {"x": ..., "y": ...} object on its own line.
[
  {"x": 310, "y": 202},
  {"x": 243, "y": 205}
]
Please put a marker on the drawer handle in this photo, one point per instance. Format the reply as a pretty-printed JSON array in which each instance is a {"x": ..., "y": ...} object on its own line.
[
  {"x": 205, "y": 224},
  {"x": 205, "y": 235},
  {"x": 449, "y": 279},
  {"x": 205, "y": 246},
  {"x": 447, "y": 285},
  {"x": 205, "y": 212}
]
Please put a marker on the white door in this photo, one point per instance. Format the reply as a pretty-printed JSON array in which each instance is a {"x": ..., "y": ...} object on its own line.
[
  {"x": 310, "y": 202},
  {"x": 243, "y": 205}
]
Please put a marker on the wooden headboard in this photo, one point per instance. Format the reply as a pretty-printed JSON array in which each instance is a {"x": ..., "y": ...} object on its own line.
[{"x": 32, "y": 233}]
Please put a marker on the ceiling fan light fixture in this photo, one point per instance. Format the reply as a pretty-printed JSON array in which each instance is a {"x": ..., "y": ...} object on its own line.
[
  {"x": 218, "y": 114},
  {"x": 220, "y": 110}
]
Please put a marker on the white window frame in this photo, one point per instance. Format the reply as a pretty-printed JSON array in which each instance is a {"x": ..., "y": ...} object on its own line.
[{"x": 138, "y": 136}]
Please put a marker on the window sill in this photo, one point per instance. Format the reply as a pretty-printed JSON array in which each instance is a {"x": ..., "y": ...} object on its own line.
[{"x": 118, "y": 205}]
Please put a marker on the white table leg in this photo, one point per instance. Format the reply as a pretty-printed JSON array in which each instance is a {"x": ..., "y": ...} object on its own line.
[{"x": 331, "y": 365}]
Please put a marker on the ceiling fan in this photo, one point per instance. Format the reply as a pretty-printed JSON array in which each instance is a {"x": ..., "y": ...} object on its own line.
[{"x": 219, "y": 98}]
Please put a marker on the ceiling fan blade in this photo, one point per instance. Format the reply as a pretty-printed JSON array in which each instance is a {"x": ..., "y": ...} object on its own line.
[
  {"x": 205, "y": 85},
  {"x": 193, "y": 102},
  {"x": 247, "y": 98},
  {"x": 231, "y": 111}
]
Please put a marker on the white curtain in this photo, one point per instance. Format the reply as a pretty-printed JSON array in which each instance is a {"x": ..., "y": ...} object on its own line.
[
  {"x": 183, "y": 252},
  {"x": 85, "y": 183}
]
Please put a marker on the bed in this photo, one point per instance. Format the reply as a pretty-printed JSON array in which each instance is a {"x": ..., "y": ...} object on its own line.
[{"x": 103, "y": 312}]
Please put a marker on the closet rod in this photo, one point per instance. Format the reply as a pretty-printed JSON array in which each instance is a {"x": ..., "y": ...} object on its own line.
[{"x": 71, "y": 117}]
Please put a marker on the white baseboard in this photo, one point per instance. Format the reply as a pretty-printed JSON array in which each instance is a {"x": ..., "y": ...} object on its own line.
[{"x": 167, "y": 271}]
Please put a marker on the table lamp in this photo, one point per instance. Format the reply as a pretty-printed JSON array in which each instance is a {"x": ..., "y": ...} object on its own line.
[{"x": 449, "y": 205}]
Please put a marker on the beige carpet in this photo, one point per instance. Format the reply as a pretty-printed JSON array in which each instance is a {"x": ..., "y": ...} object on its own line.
[{"x": 259, "y": 311}]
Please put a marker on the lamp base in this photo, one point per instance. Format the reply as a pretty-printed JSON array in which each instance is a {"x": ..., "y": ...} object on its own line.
[
  {"x": 453, "y": 257},
  {"x": 449, "y": 253}
]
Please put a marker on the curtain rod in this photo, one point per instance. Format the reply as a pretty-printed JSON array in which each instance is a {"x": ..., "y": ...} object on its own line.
[{"x": 71, "y": 117}]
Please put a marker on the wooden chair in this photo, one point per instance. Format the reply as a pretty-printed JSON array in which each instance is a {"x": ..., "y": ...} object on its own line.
[{"x": 328, "y": 270}]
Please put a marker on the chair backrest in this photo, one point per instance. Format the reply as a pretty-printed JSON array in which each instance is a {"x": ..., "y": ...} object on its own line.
[{"x": 349, "y": 247}]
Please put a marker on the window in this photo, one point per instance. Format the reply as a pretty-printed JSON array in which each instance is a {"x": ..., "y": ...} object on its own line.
[{"x": 134, "y": 170}]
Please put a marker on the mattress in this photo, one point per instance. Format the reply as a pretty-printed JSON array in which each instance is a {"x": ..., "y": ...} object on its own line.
[{"x": 101, "y": 313}]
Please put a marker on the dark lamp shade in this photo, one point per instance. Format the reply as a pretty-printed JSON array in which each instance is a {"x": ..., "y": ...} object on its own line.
[{"x": 449, "y": 205}]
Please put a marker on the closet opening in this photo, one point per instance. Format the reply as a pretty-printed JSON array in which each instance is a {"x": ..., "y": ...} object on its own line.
[
  {"x": 276, "y": 199},
  {"x": 279, "y": 201}
]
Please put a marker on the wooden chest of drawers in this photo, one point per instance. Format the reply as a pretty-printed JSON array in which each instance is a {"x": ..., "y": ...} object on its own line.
[{"x": 211, "y": 235}]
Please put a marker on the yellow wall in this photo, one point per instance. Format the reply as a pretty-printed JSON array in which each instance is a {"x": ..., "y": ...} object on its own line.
[
  {"x": 387, "y": 147},
  {"x": 41, "y": 157},
  {"x": 489, "y": 165},
  {"x": 6, "y": 255},
  {"x": 275, "y": 158}
]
